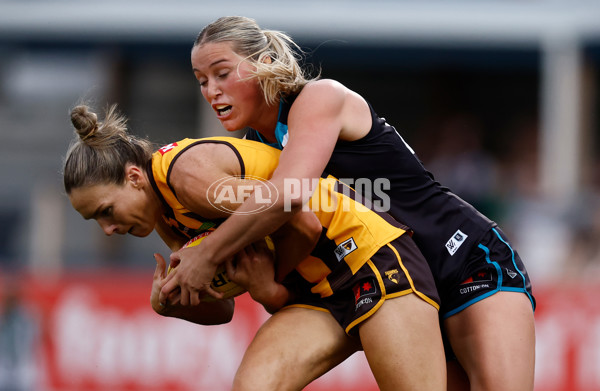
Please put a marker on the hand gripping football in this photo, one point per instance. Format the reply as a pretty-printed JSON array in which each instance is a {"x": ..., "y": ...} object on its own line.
[{"x": 220, "y": 282}]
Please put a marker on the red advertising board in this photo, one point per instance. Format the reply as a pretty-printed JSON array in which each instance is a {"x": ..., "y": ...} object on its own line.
[
  {"x": 96, "y": 331},
  {"x": 568, "y": 336}
]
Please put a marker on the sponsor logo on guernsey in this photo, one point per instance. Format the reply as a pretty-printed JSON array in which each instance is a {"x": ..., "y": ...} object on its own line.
[
  {"x": 167, "y": 148},
  {"x": 453, "y": 244},
  {"x": 363, "y": 292},
  {"x": 392, "y": 275},
  {"x": 345, "y": 248}
]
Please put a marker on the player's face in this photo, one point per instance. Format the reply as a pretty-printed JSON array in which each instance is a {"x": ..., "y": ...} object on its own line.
[
  {"x": 118, "y": 209},
  {"x": 237, "y": 101}
]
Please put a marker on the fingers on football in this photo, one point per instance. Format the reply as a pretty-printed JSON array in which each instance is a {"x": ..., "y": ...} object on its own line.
[
  {"x": 169, "y": 284},
  {"x": 175, "y": 259},
  {"x": 213, "y": 293}
]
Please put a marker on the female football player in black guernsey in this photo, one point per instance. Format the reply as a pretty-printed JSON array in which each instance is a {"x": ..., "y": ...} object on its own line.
[{"x": 252, "y": 79}]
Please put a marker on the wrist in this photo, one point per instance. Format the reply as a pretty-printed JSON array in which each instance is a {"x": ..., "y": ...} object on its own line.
[{"x": 213, "y": 256}]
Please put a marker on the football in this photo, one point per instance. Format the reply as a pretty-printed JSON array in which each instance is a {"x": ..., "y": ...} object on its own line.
[{"x": 220, "y": 282}]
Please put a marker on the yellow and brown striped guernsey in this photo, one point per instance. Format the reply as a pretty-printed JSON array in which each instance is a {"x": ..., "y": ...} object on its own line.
[
  {"x": 361, "y": 259},
  {"x": 352, "y": 233}
]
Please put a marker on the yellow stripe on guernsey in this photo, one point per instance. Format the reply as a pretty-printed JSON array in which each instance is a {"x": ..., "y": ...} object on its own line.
[{"x": 356, "y": 231}]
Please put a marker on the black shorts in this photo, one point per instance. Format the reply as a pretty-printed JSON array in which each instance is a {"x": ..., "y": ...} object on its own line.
[
  {"x": 397, "y": 269},
  {"x": 493, "y": 266}
]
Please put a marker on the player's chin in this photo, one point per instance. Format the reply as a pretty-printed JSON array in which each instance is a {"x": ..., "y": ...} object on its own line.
[
  {"x": 230, "y": 125},
  {"x": 140, "y": 232},
  {"x": 229, "y": 128}
]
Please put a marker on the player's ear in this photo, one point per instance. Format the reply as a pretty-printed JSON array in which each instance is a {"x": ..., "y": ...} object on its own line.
[
  {"x": 134, "y": 175},
  {"x": 266, "y": 59}
]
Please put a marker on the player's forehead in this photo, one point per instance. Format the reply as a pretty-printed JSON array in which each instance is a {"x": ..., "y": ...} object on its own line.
[
  {"x": 87, "y": 200},
  {"x": 213, "y": 54}
]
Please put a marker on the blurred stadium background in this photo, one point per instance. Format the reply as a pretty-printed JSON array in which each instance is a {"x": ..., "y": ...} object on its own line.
[{"x": 500, "y": 99}]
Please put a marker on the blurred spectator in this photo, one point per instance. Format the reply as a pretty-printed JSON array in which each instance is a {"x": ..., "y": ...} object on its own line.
[
  {"x": 542, "y": 235},
  {"x": 458, "y": 160},
  {"x": 18, "y": 340},
  {"x": 10, "y": 221},
  {"x": 584, "y": 254}
]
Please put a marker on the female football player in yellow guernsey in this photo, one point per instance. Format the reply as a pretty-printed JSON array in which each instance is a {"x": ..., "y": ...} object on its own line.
[{"x": 359, "y": 281}]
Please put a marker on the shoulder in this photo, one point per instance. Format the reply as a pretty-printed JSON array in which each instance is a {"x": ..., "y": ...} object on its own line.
[
  {"x": 208, "y": 156},
  {"x": 198, "y": 168},
  {"x": 328, "y": 103},
  {"x": 320, "y": 96},
  {"x": 327, "y": 87},
  {"x": 328, "y": 92}
]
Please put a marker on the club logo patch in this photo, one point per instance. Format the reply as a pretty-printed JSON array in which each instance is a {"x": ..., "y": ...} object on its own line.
[
  {"x": 392, "y": 275},
  {"x": 345, "y": 248},
  {"x": 456, "y": 241}
]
